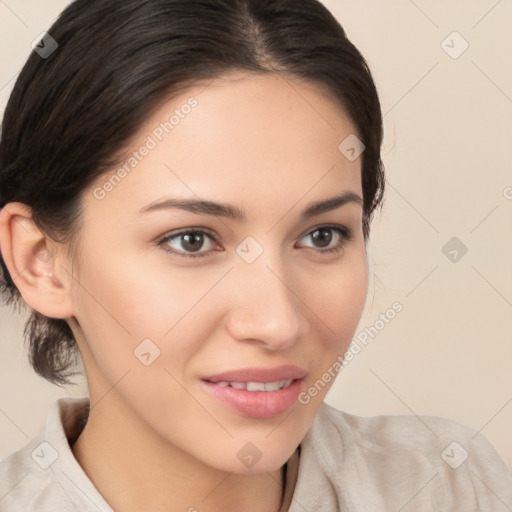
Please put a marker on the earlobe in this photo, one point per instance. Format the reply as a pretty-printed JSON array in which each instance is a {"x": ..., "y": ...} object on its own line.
[{"x": 32, "y": 262}]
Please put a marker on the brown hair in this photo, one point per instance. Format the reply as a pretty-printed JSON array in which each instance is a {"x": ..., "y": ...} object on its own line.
[{"x": 71, "y": 112}]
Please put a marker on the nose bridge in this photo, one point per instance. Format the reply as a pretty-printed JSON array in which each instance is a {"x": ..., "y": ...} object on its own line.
[{"x": 265, "y": 309}]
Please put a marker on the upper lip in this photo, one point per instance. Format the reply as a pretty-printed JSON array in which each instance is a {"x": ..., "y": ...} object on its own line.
[{"x": 259, "y": 374}]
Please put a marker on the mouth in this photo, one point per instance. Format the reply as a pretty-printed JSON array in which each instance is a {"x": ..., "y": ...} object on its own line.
[
  {"x": 258, "y": 393},
  {"x": 256, "y": 386}
]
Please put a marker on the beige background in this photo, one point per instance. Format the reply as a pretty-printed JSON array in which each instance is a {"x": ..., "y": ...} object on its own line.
[{"x": 447, "y": 150}]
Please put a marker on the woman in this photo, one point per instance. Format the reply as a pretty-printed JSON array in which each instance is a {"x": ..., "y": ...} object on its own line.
[{"x": 186, "y": 191}]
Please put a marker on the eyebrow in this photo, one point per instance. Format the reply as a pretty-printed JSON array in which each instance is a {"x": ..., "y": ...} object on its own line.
[{"x": 204, "y": 207}]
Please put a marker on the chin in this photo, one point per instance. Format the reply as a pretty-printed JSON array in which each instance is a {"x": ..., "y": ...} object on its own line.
[{"x": 250, "y": 458}]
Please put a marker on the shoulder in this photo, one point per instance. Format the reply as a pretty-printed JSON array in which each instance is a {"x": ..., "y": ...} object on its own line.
[
  {"x": 43, "y": 475},
  {"x": 448, "y": 461},
  {"x": 25, "y": 484}
]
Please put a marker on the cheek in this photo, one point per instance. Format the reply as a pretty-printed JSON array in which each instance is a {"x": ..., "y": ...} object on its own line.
[
  {"x": 339, "y": 302},
  {"x": 339, "y": 299},
  {"x": 122, "y": 304},
  {"x": 141, "y": 329}
]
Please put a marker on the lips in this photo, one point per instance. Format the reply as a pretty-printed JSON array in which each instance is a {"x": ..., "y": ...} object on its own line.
[
  {"x": 259, "y": 374},
  {"x": 257, "y": 393}
]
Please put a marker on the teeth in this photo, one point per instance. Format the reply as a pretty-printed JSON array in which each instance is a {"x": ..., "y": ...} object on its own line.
[{"x": 257, "y": 386}]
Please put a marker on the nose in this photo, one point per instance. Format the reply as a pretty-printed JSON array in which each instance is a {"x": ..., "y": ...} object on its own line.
[{"x": 265, "y": 308}]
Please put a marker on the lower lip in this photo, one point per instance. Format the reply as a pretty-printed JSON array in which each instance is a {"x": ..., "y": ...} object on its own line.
[{"x": 256, "y": 404}]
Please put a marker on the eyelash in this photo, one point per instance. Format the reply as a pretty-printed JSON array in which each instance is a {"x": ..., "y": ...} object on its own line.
[{"x": 345, "y": 234}]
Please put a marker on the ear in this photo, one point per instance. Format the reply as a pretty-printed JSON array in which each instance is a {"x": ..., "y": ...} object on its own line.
[{"x": 34, "y": 263}]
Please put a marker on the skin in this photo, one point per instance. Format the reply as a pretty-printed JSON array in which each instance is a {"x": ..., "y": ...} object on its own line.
[{"x": 154, "y": 439}]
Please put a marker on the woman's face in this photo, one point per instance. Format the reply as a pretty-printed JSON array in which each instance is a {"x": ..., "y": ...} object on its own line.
[{"x": 159, "y": 314}]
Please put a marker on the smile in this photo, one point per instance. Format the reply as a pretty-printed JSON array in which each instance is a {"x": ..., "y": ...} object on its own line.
[{"x": 257, "y": 386}]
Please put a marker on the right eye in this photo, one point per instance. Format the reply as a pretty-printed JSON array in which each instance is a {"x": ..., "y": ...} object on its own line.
[{"x": 189, "y": 240}]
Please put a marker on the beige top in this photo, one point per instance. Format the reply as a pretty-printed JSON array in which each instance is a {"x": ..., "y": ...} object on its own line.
[{"x": 345, "y": 463}]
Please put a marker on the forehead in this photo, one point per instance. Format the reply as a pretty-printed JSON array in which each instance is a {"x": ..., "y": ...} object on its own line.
[{"x": 249, "y": 139}]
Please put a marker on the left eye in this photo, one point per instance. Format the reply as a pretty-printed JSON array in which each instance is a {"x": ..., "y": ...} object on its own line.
[
  {"x": 192, "y": 241},
  {"x": 323, "y": 234}
]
